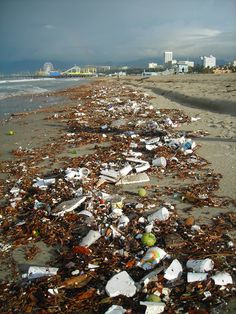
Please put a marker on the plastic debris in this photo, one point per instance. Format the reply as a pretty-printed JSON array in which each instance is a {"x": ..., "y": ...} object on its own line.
[
  {"x": 121, "y": 284},
  {"x": 174, "y": 271},
  {"x": 153, "y": 307},
  {"x": 193, "y": 277},
  {"x": 162, "y": 215},
  {"x": 201, "y": 266},
  {"x": 222, "y": 279},
  {"x": 115, "y": 309},
  {"x": 152, "y": 257},
  {"x": 38, "y": 272},
  {"x": 90, "y": 238}
]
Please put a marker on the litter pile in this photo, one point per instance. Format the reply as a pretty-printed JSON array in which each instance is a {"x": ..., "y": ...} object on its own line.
[{"x": 120, "y": 244}]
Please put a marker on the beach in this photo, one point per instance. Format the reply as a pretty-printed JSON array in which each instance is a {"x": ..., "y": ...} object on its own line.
[{"x": 106, "y": 125}]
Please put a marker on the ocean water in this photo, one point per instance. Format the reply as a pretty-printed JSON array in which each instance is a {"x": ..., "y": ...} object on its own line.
[{"x": 28, "y": 94}]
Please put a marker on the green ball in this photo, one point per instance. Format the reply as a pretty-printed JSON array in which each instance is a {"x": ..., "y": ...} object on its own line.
[
  {"x": 148, "y": 239},
  {"x": 142, "y": 192},
  {"x": 153, "y": 298},
  {"x": 10, "y": 132}
]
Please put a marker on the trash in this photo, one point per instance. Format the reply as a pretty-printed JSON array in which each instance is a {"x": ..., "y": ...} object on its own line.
[
  {"x": 134, "y": 178},
  {"x": 121, "y": 284},
  {"x": 201, "y": 265},
  {"x": 161, "y": 215},
  {"x": 152, "y": 257},
  {"x": 153, "y": 307},
  {"x": 192, "y": 277},
  {"x": 115, "y": 309},
  {"x": 148, "y": 239},
  {"x": 68, "y": 206},
  {"x": 123, "y": 221},
  {"x": 10, "y": 132},
  {"x": 174, "y": 271},
  {"x": 76, "y": 174},
  {"x": 142, "y": 192},
  {"x": 43, "y": 184},
  {"x": 222, "y": 279},
  {"x": 38, "y": 272},
  {"x": 159, "y": 162},
  {"x": 90, "y": 238}
]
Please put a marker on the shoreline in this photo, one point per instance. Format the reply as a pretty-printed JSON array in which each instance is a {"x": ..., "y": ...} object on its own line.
[{"x": 103, "y": 120}]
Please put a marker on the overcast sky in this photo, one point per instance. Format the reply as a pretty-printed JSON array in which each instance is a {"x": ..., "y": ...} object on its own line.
[{"x": 95, "y": 31}]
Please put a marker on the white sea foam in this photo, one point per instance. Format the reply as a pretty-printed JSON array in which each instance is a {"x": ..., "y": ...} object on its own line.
[{"x": 27, "y": 80}]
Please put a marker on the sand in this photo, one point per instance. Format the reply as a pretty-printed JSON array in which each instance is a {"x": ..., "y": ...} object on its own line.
[{"x": 212, "y": 98}]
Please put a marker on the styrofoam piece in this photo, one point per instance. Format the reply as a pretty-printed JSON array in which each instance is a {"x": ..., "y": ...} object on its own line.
[
  {"x": 107, "y": 178},
  {"x": 150, "y": 147},
  {"x": 222, "y": 279},
  {"x": 121, "y": 284},
  {"x": 200, "y": 265},
  {"x": 76, "y": 174},
  {"x": 152, "y": 257},
  {"x": 192, "y": 277},
  {"x": 134, "y": 178},
  {"x": 85, "y": 213},
  {"x": 152, "y": 274},
  {"x": 142, "y": 167},
  {"x": 15, "y": 191},
  {"x": 152, "y": 141},
  {"x": 136, "y": 160},
  {"x": 153, "y": 307},
  {"x": 161, "y": 215},
  {"x": 149, "y": 228},
  {"x": 123, "y": 221},
  {"x": 174, "y": 271},
  {"x": 90, "y": 238},
  {"x": 115, "y": 309},
  {"x": 38, "y": 272},
  {"x": 126, "y": 170},
  {"x": 111, "y": 174},
  {"x": 68, "y": 206},
  {"x": 159, "y": 162},
  {"x": 43, "y": 184}
]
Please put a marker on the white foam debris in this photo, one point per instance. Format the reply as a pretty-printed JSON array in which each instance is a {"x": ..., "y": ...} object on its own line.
[{"x": 121, "y": 284}]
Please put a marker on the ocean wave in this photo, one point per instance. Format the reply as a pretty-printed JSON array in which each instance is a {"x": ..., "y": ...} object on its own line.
[
  {"x": 26, "y": 80},
  {"x": 29, "y": 91}
]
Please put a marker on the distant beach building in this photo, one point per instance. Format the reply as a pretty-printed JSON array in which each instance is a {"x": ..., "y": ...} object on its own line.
[
  {"x": 47, "y": 67},
  {"x": 208, "y": 61},
  {"x": 234, "y": 63},
  {"x": 152, "y": 65},
  {"x": 188, "y": 63},
  {"x": 168, "y": 56}
]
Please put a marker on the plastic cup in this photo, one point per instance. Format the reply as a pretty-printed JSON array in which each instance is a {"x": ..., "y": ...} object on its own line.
[
  {"x": 201, "y": 265},
  {"x": 159, "y": 162}
]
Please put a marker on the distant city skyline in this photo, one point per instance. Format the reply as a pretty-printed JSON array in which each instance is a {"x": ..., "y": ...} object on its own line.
[{"x": 98, "y": 32}]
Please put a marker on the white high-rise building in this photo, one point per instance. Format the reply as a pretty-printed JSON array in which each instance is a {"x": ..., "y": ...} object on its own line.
[
  {"x": 209, "y": 61},
  {"x": 168, "y": 56}
]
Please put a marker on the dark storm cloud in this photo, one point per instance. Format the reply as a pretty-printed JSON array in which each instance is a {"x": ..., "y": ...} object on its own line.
[{"x": 118, "y": 30}]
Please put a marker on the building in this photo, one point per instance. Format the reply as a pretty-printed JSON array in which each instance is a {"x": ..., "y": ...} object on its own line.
[
  {"x": 47, "y": 68},
  {"x": 152, "y": 65},
  {"x": 168, "y": 56},
  {"x": 188, "y": 63},
  {"x": 181, "y": 67},
  {"x": 208, "y": 62},
  {"x": 234, "y": 63}
]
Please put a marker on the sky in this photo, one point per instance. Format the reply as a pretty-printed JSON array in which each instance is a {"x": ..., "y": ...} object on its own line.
[{"x": 98, "y": 31}]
